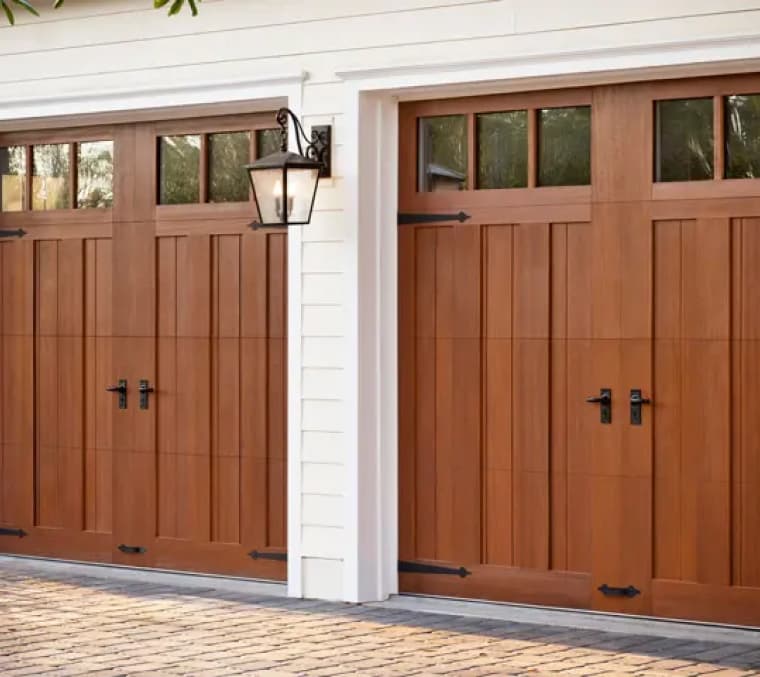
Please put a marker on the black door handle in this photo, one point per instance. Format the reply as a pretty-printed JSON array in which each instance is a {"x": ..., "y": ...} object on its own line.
[
  {"x": 637, "y": 400},
  {"x": 121, "y": 389},
  {"x": 605, "y": 400},
  {"x": 145, "y": 389}
]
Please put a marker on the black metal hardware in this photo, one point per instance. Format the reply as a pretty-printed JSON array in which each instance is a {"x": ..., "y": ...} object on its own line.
[
  {"x": 318, "y": 148},
  {"x": 277, "y": 556},
  {"x": 145, "y": 389},
  {"x": 20, "y": 533},
  {"x": 132, "y": 549},
  {"x": 609, "y": 591},
  {"x": 420, "y": 568},
  {"x": 636, "y": 401},
  {"x": 605, "y": 400},
  {"x": 121, "y": 388},
  {"x": 19, "y": 232},
  {"x": 406, "y": 219}
]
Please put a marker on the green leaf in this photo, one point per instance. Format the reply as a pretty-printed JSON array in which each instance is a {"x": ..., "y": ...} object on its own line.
[
  {"x": 8, "y": 14},
  {"x": 25, "y": 4},
  {"x": 157, "y": 4},
  {"x": 193, "y": 7},
  {"x": 176, "y": 6},
  {"x": 57, "y": 4}
]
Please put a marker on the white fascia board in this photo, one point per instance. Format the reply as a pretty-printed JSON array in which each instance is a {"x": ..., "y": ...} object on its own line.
[
  {"x": 552, "y": 69},
  {"x": 265, "y": 90}
]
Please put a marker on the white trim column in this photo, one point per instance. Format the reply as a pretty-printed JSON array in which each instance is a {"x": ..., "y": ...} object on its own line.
[{"x": 371, "y": 528}]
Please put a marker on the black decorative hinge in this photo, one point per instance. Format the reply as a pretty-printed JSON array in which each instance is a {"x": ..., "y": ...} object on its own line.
[
  {"x": 406, "y": 219},
  {"x": 20, "y": 533},
  {"x": 19, "y": 232},
  {"x": 132, "y": 549},
  {"x": 608, "y": 591},
  {"x": 277, "y": 556},
  {"x": 420, "y": 568}
]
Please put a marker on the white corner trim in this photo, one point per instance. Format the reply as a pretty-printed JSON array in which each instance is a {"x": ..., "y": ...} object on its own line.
[
  {"x": 739, "y": 52},
  {"x": 264, "y": 87}
]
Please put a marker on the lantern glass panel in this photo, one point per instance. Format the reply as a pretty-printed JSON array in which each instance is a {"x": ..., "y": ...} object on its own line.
[
  {"x": 301, "y": 186},
  {"x": 267, "y": 184}
]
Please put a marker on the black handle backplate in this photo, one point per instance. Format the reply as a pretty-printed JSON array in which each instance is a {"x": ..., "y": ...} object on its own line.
[
  {"x": 145, "y": 390},
  {"x": 121, "y": 389},
  {"x": 636, "y": 401},
  {"x": 604, "y": 400}
]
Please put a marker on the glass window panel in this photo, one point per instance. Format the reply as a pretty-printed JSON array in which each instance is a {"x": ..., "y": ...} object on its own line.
[
  {"x": 12, "y": 178},
  {"x": 503, "y": 149},
  {"x": 51, "y": 176},
  {"x": 564, "y": 146},
  {"x": 179, "y": 169},
  {"x": 95, "y": 174},
  {"x": 227, "y": 178},
  {"x": 267, "y": 142},
  {"x": 684, "y": 140},
  {"x": 743, "y": 137},
  {"x": 442, "y": 154}
]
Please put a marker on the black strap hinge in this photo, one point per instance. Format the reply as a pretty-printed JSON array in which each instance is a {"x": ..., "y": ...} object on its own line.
[
  {"x": 420, "y": 568},
  {"x": 609, "y": 591},
  {"x": 132, "y": 549},
  {"x": 276, "y": 556},
  {"x": 406, "y": 219},
  {"x": 20, "y": 533},
  {"x": 19, "y": 232}
]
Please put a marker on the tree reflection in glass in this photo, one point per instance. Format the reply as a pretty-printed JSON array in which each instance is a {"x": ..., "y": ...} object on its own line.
[
  {"x": 267, "y": 142},
  {"x": 179, "y": 169},
  {"x": 564, "y": 146},
  {"x": 503, "y": 149},
  {"x": 743, "y": 137},
  {"x": 51, "y": 176},
  {"x": 95, "y": 174},
  {"x": 442, "y": 154},
  {"x": 684, "y": 140},
  {"x": 227, "y": 155},
  {"x": 12, "y": 178}
]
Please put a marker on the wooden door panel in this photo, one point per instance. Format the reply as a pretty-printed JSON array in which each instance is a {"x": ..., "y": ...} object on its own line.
[{"x": 487, "y": 379}]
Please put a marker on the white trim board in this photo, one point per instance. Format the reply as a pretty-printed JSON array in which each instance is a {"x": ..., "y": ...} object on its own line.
[{"x": 577, "y": 619}]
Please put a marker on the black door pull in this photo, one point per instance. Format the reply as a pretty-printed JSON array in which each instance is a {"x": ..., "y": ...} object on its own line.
[
  {"x": 132, "y": 549},
  {"x": 605, "y": 400},
  {"x": 145, "y": 390},
  {"x": 121, "y": 389},
  {"x": 636, "y": 403}
]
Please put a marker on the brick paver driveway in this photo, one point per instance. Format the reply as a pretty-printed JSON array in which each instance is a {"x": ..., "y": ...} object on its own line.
[{"x": 64, "y": 624}]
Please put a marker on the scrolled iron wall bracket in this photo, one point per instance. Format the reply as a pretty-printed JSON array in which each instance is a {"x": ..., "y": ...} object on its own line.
[{"x": 317, "y": 147}]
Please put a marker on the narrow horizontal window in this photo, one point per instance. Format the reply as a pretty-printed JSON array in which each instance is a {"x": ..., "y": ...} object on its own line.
[
  {"x": 503, "y": 149},
  {"x": 95, "y": 174},
  {"x": 564, "y": 146},
  {"x": 12, "y": 178},
  {"x": 684, "y": 140},
  {"x": 51, "y": 176},
  {"x": 442, "y": 153},
  {"x": 742, "y": 136},
  {"x": 179, "y": 169},
  {"x": 268, "y": 141},
  {"x": 227, "y": 155}
]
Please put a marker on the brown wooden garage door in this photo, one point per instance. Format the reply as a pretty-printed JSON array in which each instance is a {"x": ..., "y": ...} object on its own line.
[
  {"x": 137, "y": 264},
  {"x": 642, "y": 278}
]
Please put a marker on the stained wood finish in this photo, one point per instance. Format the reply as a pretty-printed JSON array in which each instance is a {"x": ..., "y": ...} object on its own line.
[
  {"x": 508, "y": 322},
  {"x": 188, "y": 298}
]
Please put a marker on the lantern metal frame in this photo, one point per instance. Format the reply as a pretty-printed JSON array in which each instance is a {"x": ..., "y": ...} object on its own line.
[{"x": 315, "y": 156}]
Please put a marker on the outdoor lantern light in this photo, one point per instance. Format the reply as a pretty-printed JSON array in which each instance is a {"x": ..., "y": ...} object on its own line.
[{"x": 284, "y": 183}]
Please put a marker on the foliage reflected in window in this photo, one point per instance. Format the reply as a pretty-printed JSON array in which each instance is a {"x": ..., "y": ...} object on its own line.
[
  {"x": 179, "y": 169},
  {"x": 267, "y": 142},
  {"x": 227, "y": 155},
  {"x": 564, "y": 146},
  {"x": 95, "y": 174},
  {"x": 51, "y": 169},
  {"x": 684, "y": 140},
  {"x": 442, "y": 153},
  {"x": 503, "y": 149},
  {"x": 12, "y": 178},
  {"x": 742, "y": 137}
]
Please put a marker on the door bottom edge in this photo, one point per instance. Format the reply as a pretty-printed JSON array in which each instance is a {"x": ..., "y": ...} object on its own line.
[
  {"x": 587, "y": 619},
  {"x": 135, "y": 574}
]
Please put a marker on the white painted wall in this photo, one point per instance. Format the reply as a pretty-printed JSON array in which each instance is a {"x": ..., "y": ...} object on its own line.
[{"x": 345, "y": 64}]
